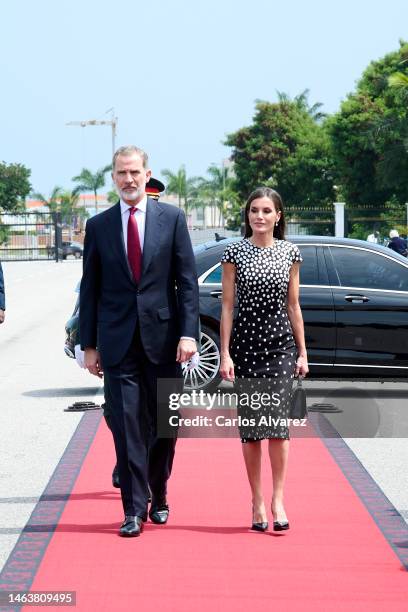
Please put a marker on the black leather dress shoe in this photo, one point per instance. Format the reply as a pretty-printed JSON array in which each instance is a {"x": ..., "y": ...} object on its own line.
[
  {"x": 159, "y": 512},
  {"x": 131, "y": 527},
  {"x": 115, "y": 477}
]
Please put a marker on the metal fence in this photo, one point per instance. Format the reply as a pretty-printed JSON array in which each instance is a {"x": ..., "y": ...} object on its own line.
[
  {"x": 306, "y": 221},
  {"x": 35, "y": 236},
  {"x": 301, "y": 220},
  {"x": 46, "y": 236},
  {"x": 360, "y": 221}
]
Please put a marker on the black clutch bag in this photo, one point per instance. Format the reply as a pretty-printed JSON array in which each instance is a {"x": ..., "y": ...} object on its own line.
[{"x": 298, "y": 408}]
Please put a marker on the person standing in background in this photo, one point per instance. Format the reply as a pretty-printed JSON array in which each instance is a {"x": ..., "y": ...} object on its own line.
[
  {"x": 397, "y": 244},
  {"x": 374, "y": 237}
]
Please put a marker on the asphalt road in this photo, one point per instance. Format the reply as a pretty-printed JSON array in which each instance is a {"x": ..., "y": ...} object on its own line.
[{"x": 37, "y": 381}]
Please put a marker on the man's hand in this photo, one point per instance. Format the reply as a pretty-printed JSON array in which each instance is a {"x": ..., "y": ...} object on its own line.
[
  {"x": 2, "y": 316},
  {"x": 185, "y": 350},
  {"x": 93, "y": 362}
]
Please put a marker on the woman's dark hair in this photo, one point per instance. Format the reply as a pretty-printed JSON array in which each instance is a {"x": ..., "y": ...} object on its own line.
[{"x": 271, "y": 194}]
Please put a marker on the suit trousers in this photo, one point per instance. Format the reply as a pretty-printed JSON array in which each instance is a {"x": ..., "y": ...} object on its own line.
[{"x": 143, "y": 458}]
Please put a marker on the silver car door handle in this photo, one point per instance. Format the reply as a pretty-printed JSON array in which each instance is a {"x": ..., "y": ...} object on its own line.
[
  {"x": 356, "y": 298},
  {"x": 217, "y": 293}
]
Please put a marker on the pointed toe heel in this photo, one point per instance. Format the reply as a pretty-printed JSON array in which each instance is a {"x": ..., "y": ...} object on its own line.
[
  {"x": 280, "y": 525},
  {"x": 259, "y": 526}
]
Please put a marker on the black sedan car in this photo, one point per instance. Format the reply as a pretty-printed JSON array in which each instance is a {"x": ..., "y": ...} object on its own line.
[{"x": 354, "y": 300}]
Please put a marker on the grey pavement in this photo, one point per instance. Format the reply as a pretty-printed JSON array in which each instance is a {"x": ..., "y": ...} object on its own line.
[
  {"x": 37, "y": 381},
  {"x": 374, "y": 424}
]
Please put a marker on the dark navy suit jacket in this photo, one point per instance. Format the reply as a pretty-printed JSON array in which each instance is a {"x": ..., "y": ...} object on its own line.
[
  {"x": 2, "y": 293},
  {"x": 398, "y": 244},
  {"x": 164, "y": 304}
]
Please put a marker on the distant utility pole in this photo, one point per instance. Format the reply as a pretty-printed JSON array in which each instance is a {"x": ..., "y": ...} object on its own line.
[{"x": 113, "y": 122}]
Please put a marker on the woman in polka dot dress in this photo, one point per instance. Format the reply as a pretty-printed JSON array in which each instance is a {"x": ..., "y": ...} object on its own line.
[{"x": 268, "y": 342}]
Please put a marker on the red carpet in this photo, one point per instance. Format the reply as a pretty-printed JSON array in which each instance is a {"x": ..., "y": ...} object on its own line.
[{"x": 334, "y": 556}]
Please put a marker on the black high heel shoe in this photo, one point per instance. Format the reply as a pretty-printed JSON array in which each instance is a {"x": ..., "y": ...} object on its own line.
[
  {"x": 259, "y": 526},
  {"x": 280, "y": 525},
  {"x": 263, "y": 526}
]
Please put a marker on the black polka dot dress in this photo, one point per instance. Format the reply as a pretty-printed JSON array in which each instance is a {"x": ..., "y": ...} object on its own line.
[{"x": 263, "y": 348}]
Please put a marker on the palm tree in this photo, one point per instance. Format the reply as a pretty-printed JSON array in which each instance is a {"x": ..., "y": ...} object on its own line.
[
  {"x": 398, "y": 79},
  {"x": 112, "y": 196},
  {"x": 53, "y": 201},
  {"x": 218, "y": 191},
  {"x": 71, "y": 213},
  {"x": 91, "y": 182},
  {"x": 64, "y": 202},
  {"x": 302, "y": 102},
  {"x": 184, "y": 188}
]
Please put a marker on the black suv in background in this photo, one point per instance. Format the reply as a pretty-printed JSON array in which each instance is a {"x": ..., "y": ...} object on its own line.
[{"x": 354, "y": 300}]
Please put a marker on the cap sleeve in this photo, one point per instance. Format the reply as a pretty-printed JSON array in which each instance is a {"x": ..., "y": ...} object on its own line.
[
  {"x": 295, "y": 254},
  {"x": 229, "y": 254}
]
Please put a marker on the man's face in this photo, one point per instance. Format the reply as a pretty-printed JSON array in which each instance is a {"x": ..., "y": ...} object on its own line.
[{"x": 130, "y": 178}]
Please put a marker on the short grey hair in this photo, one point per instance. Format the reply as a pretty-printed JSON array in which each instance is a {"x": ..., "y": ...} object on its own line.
[
  {"x": 130, "y": 150},
  {"x": 394, "y": 233}
]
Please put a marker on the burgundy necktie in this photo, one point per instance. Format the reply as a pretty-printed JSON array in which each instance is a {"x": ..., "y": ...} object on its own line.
[{"x": 134, "y": 251}]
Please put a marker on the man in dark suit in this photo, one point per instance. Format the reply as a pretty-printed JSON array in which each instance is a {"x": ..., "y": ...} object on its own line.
[
  {"x": 2, "y": 296},
  {"x": 139, "y": 306}
]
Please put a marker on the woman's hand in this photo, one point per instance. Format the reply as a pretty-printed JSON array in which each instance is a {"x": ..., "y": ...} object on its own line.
[
  {"x": 302, "y": 367},
  {"x": 227, "y": 368}
]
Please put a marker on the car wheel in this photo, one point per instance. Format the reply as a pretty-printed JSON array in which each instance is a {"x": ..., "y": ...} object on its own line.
[
  {"x": 77, "y": 255},
  {"x": 205, "y": 375}
]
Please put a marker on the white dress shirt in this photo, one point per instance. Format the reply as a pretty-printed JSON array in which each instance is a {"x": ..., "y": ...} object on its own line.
[{"x": 140, "y": 216}]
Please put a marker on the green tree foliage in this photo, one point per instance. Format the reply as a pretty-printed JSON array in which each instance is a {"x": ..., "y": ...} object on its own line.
[
  {"x": 87, "y": 181},
  {"x": 14, "y": 186},
  {"x": 4, "y": 234},
  {"x": 370, "y": 135},
  {"x": 185, "y": 188},
  {"x": 286, "y": 148},
  {"x": 112, "y": 196}
]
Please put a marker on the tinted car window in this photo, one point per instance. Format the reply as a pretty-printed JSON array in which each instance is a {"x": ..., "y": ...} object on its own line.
[
  {"x": 215, "y": 276},
  {"x": 309, "y": 271},
  {"x": 360, "y": 268}
]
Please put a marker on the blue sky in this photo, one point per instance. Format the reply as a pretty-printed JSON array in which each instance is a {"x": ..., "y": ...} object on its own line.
[{"x": 179, "y": 74}]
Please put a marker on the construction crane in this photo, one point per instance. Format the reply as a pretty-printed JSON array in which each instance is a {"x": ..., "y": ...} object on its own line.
[{"x": 113, "y": 122}]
